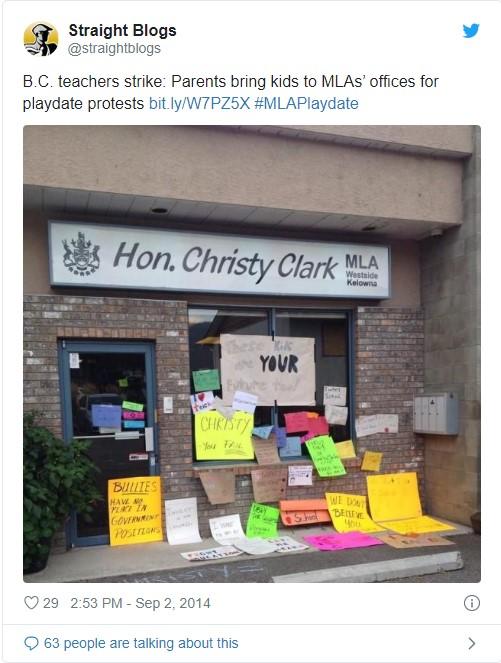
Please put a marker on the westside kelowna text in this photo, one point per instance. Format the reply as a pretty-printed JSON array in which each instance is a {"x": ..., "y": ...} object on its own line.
[{"x": 205, "y": 261}]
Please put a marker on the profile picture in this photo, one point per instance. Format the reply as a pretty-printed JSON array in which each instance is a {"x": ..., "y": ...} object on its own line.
[{"x": 41, "y": 39}]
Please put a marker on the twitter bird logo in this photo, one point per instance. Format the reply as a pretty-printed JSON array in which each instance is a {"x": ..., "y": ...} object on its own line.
[{"x": 471, "y": 31}]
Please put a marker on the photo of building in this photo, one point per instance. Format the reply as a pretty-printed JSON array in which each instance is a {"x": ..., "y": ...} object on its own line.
[{"x": 149, "y": 250}]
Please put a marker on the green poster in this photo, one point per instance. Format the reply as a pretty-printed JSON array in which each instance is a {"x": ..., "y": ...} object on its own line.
[
  {"x": 262, "y": 521},
  {"x": 123, "y": 382},
  {"x": 206, "y": 380},
  {"x": 325, "y": 457},
  {"x": 129, "y": 405}
]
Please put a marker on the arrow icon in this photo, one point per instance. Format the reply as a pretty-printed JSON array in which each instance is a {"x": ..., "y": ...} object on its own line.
[{"x": 473, "y": 643}]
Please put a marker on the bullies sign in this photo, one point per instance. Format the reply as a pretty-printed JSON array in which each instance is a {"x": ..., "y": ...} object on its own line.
[{"x": 102, "y": 256}]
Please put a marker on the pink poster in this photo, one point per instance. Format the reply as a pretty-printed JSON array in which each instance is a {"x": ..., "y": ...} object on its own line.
[{"x": 342, "y": 541}]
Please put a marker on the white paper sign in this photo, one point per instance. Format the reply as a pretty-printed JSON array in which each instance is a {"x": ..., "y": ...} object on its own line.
[
  {"x": 202, "y": 401},
  {"x": 211, "y": 553},
  {"x": 334, "y": 395},
  {"x": 336, "y": 414},
  {"x": 225, "y": 529},
  {"x": 300, "y": 475},
  {"x": 388, "y": 423},
  {"x": 367, "y": 425},
  {"x": 74, "y": 360},
  {"x": 218, "y": 405},
  {"x": 244, "y": 402},
  {"x": 181, "y": 521},
  {"x": 280, "y": 369},
  {"x": 254, "y": 546},
  {"x": 284, "y": 544}
]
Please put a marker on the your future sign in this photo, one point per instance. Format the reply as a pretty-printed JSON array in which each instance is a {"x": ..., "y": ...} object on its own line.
[{"x": 102, "y": 256}]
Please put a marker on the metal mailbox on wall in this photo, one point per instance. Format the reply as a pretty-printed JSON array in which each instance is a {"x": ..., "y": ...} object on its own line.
[{"x": 436, "y": 414}]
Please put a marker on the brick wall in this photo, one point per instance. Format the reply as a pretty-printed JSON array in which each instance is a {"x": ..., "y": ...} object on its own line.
[{"x": 389, "y": 371}]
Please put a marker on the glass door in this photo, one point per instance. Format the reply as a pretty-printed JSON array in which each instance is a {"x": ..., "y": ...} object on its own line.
[{"x": 109, "y": 399}]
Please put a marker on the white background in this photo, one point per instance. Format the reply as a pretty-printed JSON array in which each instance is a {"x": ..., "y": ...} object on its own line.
[{"x": 257, "y": 38}]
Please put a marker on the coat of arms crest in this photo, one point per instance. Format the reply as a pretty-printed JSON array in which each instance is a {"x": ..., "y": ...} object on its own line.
[{"x": 82, "y": 259}]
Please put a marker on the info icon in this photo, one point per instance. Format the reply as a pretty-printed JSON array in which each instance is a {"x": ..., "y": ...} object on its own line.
[{"x": 40, "y": 38}]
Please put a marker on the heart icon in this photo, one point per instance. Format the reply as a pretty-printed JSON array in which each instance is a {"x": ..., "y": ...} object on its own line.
[
  {"x": 201, "y": 397},
  {"x": 31, "y": 602}
]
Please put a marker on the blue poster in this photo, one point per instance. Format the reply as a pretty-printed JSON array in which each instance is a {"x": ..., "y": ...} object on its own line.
[
  {"x": 107, "y": 416},
  {"x": 133, "y": 424},
  {"x": 281, "y": 436},
  {"x": 292, "y": 447},
  {"x": 262, "y": 431}
]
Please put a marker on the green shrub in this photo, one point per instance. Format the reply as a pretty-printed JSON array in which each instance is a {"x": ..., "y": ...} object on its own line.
[{"x": 58, "y": 478}]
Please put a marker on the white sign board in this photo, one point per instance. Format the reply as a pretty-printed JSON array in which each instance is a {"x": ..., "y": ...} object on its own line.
[
  {"x": 104, "y": 256},
  {"x": 280, "y": 369},
  {"x": 181, "y": 521}
]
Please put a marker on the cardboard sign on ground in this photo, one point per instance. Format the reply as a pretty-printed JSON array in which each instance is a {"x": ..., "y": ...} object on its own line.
[
  {"x": 343, "y": 541},
  {"x": 394, "y": 496},
  {"x": 219, "y": 486},
  {"x": 418, "y": 541},
  {"x": 420, "y": 525}
]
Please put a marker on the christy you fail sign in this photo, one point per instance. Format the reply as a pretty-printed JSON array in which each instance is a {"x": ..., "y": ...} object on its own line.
[{"x": 93, "y": 255}]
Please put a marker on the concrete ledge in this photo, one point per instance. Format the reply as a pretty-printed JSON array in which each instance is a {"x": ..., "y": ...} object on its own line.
[{"x": 379, "y": 571}]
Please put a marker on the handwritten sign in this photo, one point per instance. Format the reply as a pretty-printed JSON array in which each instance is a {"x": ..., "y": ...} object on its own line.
[
  {"x": 336, "y": 415},
  {"x": 372, "y": 461},
  {"x": 123, "y": 382},
  {"x": 202, "y": 402},
  {"x": 255, "y": 546},
  {"x": 133, "y": 424},
  {"x": 324, "y": 456},
  {"x": 262, "y": 521},
  {"x": 318, "y": 426},
  {"x": 292, "y": 447},
  {"x": 225, "y": 411},
  {"x": 349, "y": 513},
  {"x": 181, "y": 521},
  {"x": 280, "y": 369},
  {"x": 394, "y": 496},
  {"x": 280, "y": 436},
  {"x": 300, "y": 475},
  {"x": 219, "y": 486},
  {"x": 388, "y": 423},
  {"x": 285, "y": 544},
  {"x": 419, "y": 525},
  {"x": 135, "y": 510},
  {"x": 244, "y": 402},
  {"x": 206, "y": 380},
  {"x": 263, "y": 432},
  {"x": 367, "y": 425},
  {"x": 130, "y": 405},
  {"x": 218, "y": 438},
  {"x": 108, "y": 416},
  {"x": 296, "y": 422},
  {"x": 209, "y": 554},
  {"x": 266, "y": 451},
  {"x": 345, "y": 449},
  {"x": 269, "y": 485},
  {"x": 416, "y": 541},
  {"x": 226, "y": 529},
  {"x": 334, "y": 395},
  {"x": 130, "y": 414},
  {"x": 342, "y": 541}
]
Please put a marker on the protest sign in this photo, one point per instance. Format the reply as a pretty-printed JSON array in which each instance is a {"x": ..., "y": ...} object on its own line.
[
  {"x": 300, "y": 475},
  {"x": 181, "y": 521},
  {"x": 295, "y": 422},
  {"x": 266, "y": 451},
  {"x": 280, "y": 369},
  {"x": 202, "y": 402},
  {"x": 130, "y": 405},
  {"x": 416, "y": 541},
  {"x": 211, "y": 553},
  {"x": 371, "y": 461},
  {"x": 244, "y": 402},
  {"x": 336, "y": 415},
  {"x": 108, "y": 416},
  {"x": 419, "y": 525},
  {"x": 280, "y": 436},
  {"x": 345, "y": 449},
  {"x": 324, "y": 456},
  {"x": 342, "y": 541},
  {"x": 226, "y": 412},
  {"x": 269, "y": 485},
  {"x": 226, "y": 529},
  {"x": 292, "y": 447},
  {"x": 263, "y": 432},
  {"x": 262, "y": 521},
  {"x": 367, "y": 425},
  {"x": 219, "y": 486},
  {"x": 135, "y": 510},
  {"x": 218, "y": 438},
  {"x": 387, "y": 423},
  {"x": 207, "y": 380},
  {"x": 131, "y": 414},
  {"x": 285, "y": 544},
  {"x": 133, "y": 424},
  {"x": 349, "y": 513},
  {"x": 318, "y": 426},
  {"x": 254, "y": 546},
  {"x": 394, "y": 496},
  {"x": 334, "y": 395}
]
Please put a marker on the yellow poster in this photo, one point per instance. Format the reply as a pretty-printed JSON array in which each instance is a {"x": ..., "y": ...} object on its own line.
[
  {"x": 394, "y": 496},
  {"x": 218, "y": 438},
  {"x": 349, "y": 513},
  {"x": 372, "y": 461},
  {"x": 135, "y": 510},
  {"x": 420, "y": 525},
  {"x": 346, "y": 449}
]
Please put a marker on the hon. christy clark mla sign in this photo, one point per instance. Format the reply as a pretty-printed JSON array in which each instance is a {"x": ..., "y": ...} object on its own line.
[{"x": 102, "y": 256}]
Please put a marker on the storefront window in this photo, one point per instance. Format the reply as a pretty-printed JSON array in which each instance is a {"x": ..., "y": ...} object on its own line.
[{"x": 329, "y": 329}]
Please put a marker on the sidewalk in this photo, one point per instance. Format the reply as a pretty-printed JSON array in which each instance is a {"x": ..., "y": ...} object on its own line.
[{"x": 161, "y": 562}]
